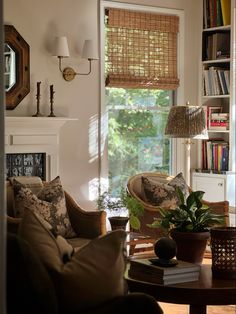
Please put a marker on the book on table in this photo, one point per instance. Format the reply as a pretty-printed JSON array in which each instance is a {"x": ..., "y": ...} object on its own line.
[{"x": 144, "y": 270}]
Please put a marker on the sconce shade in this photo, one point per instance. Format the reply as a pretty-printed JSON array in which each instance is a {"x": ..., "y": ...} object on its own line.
[
  {"x": 61, "y": 49},
  {"x": 89, "y": 51},
  {"x": 186, "y": 122}
]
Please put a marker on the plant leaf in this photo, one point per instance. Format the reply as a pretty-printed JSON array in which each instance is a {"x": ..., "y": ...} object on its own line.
[{"x": 134, "y": 222}]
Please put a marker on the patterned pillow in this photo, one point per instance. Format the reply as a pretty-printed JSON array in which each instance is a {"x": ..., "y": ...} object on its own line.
[
  {"x": 164, "y": 194},
  {"x": 179, "y": 181},
  {"x": 49, "y": 203},
  {"x": 159, "y": 194}
]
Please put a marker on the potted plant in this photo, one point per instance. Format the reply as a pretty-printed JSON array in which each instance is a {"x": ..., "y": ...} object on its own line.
[
  {"x": 117, "y": 205},
  {"x": 189, "y": 225}
]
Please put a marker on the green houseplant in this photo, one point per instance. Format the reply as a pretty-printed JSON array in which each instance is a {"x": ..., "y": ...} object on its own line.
[
  {"x": 189, "y": 225},
  {"x": 117, "y": 205}
]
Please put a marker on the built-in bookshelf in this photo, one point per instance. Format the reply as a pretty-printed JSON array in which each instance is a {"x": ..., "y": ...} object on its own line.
[{"x": 216, "y": 165}]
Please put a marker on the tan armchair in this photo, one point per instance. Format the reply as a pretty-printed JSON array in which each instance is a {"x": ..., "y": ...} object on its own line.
[
  {"x": 86, "y": 224},
  {"x": 134, "y": 188}
]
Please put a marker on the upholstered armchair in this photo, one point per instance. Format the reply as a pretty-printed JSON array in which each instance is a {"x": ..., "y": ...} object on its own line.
[
  {"x": 136, "y": 189},
  {"x": 86, "y": 224}
]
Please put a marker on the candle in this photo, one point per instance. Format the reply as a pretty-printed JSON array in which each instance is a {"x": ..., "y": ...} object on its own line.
[
  {"x": 38, "y": 88},
  {"x": 51, "y": 92}
]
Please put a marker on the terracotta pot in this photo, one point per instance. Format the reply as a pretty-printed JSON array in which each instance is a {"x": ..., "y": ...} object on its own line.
[
  {"x": 118, "y": 222},
  {"x": 191, "y": 246}
]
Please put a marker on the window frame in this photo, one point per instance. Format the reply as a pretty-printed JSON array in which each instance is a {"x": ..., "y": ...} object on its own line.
[{"x": 178, "y": 155}]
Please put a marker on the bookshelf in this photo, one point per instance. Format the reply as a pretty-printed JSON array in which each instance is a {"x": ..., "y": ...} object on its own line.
[{"x": 215, "y": 173}]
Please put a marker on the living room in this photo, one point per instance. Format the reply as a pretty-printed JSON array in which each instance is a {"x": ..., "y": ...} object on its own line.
[{"x": 81, "y": 156}]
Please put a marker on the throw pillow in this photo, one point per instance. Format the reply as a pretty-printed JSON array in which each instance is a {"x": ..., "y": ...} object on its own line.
[
  {"x": 159, "y": 194},
  {"x": 94, "y": 275},
  {"x": 49, "y": 202},
  {"x": 53, "y": 250},
  {"x": 164, "y": 194},
  {"x": 179, "y": 181}
]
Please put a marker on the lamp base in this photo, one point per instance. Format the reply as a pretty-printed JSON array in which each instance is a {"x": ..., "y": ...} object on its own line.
[{"x": 68, "y": 74}]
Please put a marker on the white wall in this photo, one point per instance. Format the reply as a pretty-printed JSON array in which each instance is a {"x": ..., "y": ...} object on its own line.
[{"x": 39, "y": 22}]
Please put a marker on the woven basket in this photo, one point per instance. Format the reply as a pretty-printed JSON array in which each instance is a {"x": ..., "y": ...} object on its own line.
[{"x": 223, "y": 247}]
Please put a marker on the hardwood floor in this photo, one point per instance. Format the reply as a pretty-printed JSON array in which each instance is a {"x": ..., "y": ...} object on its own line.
[{"x": 184, "y": 309}]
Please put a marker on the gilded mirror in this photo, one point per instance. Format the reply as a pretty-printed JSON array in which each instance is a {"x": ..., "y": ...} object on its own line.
[{"x": 17, "y": 67}]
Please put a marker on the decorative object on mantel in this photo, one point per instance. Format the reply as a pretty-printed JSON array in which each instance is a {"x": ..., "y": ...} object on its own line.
[
  {"x": 223, "y": 248},
  {"x": 38, "y": 114},
  {"x": 52, "y": 92},
  {"x": 62, "y": 51}
]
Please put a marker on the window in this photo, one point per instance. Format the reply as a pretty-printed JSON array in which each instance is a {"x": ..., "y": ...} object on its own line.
[
  {"x": 136, "y": 142},
  {"x": 140, "y": 50}
]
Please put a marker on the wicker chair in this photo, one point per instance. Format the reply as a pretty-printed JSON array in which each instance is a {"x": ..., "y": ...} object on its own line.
[{"x": 135, "y": 188}]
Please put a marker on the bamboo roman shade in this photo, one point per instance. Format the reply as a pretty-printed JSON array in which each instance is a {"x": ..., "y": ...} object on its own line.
[{"x": 141, "y": 50}]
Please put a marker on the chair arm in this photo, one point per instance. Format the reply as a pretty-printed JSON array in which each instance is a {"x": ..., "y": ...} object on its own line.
[
  {"x": 221, "y": 207},
  {"x": 13, "y": 224},
  {"x": 86, "y": 224}
]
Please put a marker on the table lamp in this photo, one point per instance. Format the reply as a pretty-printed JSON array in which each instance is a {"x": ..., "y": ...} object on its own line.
[{"x": 186, "y": 122}]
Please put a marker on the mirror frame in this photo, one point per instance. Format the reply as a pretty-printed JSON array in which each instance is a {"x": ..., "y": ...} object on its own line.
[{"x": 22, "y": 86}]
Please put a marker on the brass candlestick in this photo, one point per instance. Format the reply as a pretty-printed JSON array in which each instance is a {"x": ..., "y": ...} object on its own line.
[
  {"x": 38, "y": 113},
  {"x": 52, "y": 92}
]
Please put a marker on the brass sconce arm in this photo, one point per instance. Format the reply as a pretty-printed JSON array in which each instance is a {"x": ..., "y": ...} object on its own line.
[
  {"x": 62, "y": 51},
  {"x": 69, "y": 74}
]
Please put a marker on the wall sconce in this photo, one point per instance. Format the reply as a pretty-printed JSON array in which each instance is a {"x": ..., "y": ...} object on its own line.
[{"x": 62, "y": 51}]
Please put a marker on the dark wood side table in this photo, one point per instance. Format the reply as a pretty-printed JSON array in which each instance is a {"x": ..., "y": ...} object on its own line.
[{"x": 198, "y": 294}]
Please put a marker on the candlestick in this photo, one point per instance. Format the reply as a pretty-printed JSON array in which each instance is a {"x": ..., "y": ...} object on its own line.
[
  {"x": 52, "y": 92},
  {"x": 38, "y": 88},
  {"x": 38, "y": 114}
]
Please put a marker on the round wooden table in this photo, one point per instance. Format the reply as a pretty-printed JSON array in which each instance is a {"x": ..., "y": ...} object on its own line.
[{"x": 198, "y": 294}]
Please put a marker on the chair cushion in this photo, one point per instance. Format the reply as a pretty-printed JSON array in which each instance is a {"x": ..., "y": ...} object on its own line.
[
  {"x": 49, "y": 202},
  {"x": 164, "y": 194}
]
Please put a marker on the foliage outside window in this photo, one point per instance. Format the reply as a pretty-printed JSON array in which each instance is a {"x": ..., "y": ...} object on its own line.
[{"x": 136, "y": 142}]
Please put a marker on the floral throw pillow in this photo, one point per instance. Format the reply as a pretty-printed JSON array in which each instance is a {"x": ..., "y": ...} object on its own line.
[
  {"x": 159, "y": 194},
  {"x": 179, "y": 181},
  {"x": 164, "y": 194},
  {"x": 49, "y": 203}
]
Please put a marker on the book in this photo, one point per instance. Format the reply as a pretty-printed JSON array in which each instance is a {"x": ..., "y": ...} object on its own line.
[
  {"x": 219, "y": 18},
  {"x": 165, "y": 280},
  {"x": 220, "y": 45},
  {"x": 180, "y": 268},
  {"x": 144, "y": 269},
  {"x": 225, "y": 8}
]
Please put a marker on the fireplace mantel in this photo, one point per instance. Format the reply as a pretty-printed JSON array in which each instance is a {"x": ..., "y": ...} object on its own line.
[{"x": 36, "y": 135}]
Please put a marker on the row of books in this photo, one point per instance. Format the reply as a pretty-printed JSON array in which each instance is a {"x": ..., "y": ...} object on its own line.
[
  {"x": 216, "y": 120},
  {"x": 216, "y": 81},
  {"x": 144, "y": 270},
  {"x": 215, "y": 155},
  {"x": 216, "y": 13},
  {"x": 218, "y": 46}
]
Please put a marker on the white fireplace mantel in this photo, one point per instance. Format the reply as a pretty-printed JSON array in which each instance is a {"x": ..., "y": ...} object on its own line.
[{"x": 36, "y": 135}]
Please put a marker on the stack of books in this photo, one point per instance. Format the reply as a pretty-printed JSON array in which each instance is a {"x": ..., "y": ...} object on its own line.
[
  {"x": 215, "y": 154},
  {"x": 145, "y": 270},
  {"x": 219, "y": 121},
  {"x": 216, "y": 120},
  {"x": 216, "y": 81},
  {"x": 216, "y": 13}
]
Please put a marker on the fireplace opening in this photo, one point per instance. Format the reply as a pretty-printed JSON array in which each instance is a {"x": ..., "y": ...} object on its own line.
[{"x": 26, "y": 164}]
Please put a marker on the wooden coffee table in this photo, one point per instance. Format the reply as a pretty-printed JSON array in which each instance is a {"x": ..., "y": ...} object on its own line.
[{"x": 198, "y": 294}]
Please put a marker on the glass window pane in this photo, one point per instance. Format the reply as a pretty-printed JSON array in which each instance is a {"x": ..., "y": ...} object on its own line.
[{"x": 136, "y": 141}]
